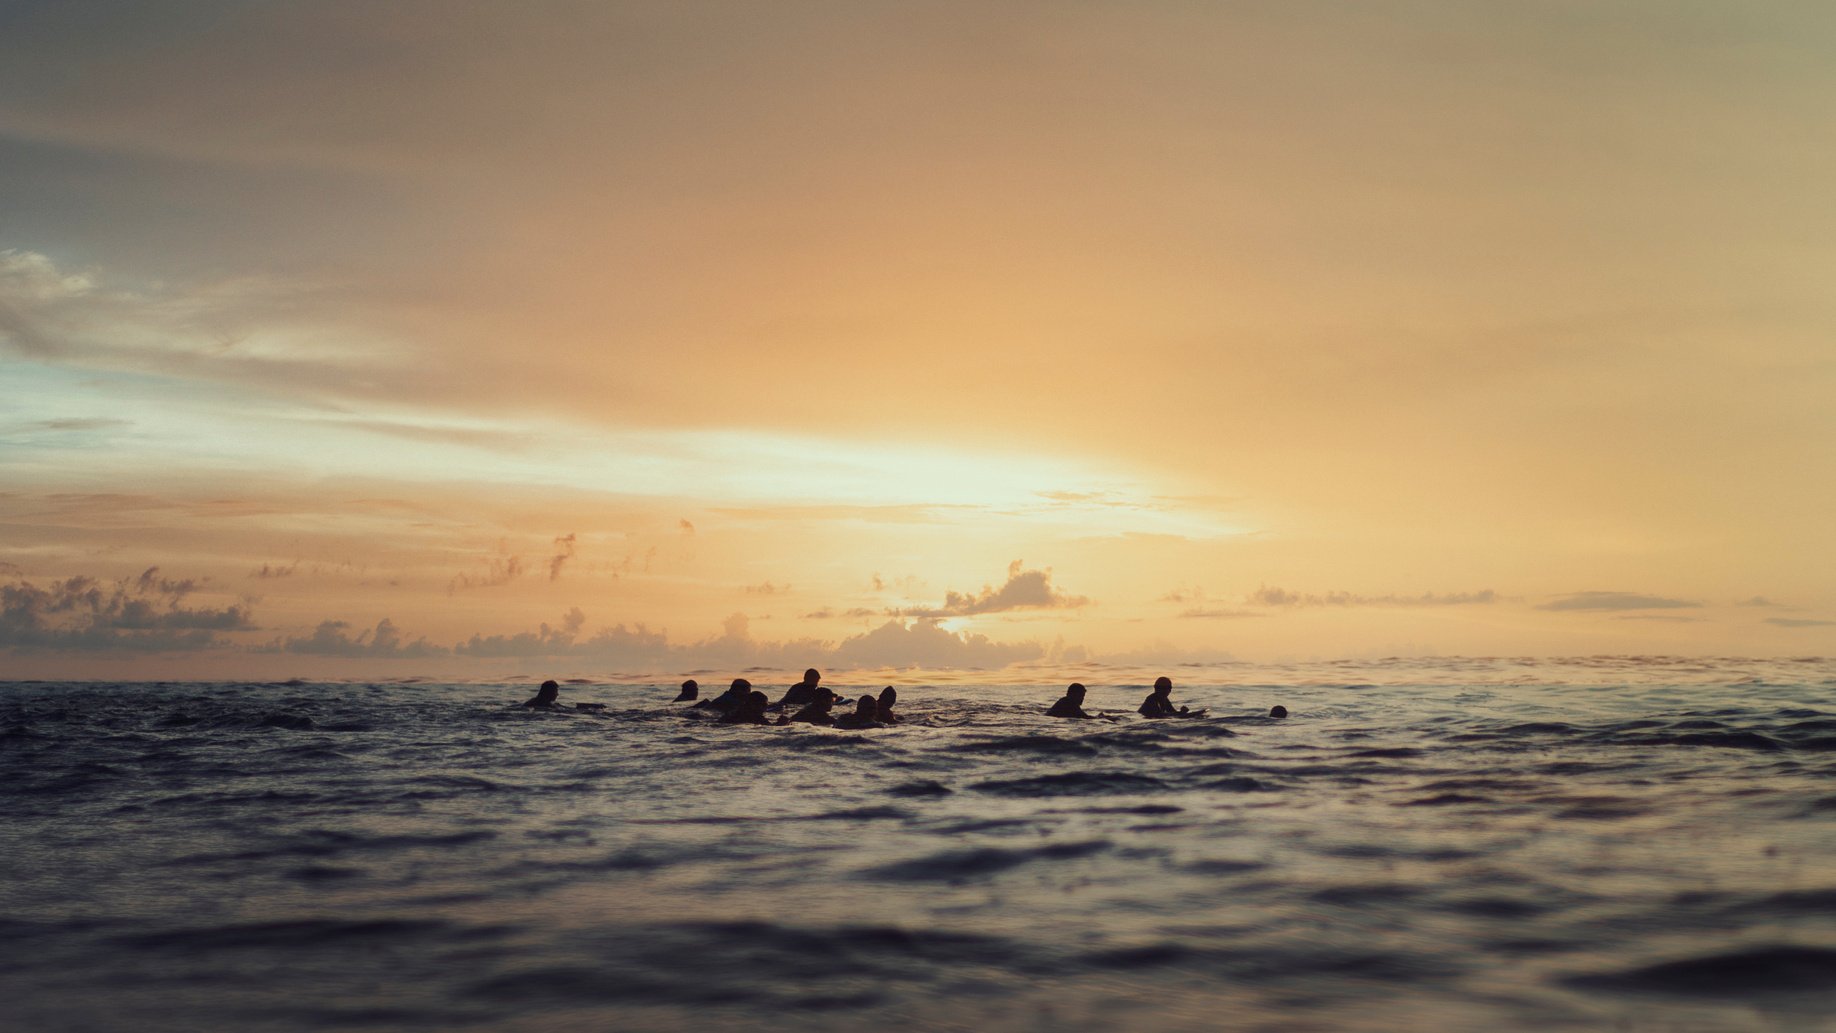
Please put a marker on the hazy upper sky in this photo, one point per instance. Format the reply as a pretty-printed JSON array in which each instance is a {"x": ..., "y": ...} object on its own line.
[{"x": 651, "y": 337}]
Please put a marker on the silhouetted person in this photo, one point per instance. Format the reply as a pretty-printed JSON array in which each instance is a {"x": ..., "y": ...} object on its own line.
[
  {"x": 750, "y": 711},
  {"x": 1278, "y": 711},
  {"x": 817, "y": 713},
  {"x": 1160, "y": 702},
  {"x": 1071, "y": 705},
  {"x": 690, "y": 691},
  {"x": 803, "y": 693},
  {"x": 546, "y": 697},
  {"x": 883, "y": 707},
  {"x": 729, "y": 700},
  {"x": 866, "y": 715}
]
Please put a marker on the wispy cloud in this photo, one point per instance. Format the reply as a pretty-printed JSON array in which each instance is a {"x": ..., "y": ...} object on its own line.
[
  {"x": 1281, "y": 597},
  {"x": 1616, "y": 601},
  {"x": 564, "y": 551},
  {"x": 499, "y": 570},
  {"x": 1216, "y": 614},
  {"x": 1799, "y": 622},
  {"x": 828, "y": 613}
]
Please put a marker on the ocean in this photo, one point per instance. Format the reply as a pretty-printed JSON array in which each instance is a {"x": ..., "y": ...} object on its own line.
[{"x": 1604, "y": 843}]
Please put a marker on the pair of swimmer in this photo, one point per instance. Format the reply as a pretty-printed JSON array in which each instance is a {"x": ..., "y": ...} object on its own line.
[
  {"x": 1158, "y": 704},
  {"x": 736, "y": 694},
  {"x": 869, "y": 711}
]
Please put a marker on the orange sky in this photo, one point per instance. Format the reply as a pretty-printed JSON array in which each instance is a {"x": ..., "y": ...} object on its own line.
[{"x": 947, "y": 335}]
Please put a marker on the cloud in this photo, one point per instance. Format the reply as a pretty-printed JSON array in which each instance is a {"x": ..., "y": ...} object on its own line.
[
  {"x": 564, "y": 551},
  {"x": 1616, "y": 601},
  {"x": 498, "y": 571},
  {"x": 545, "y": 641},
  {"x": 896, "y": 643},
  {"x": 767, "y": 588},
  {"x": 1798, "y": 622},
  {"x": 247, "y": 330},
  {"x": 1184, "y": 595},
  {"x": 924, "y": 643},
  {"x": 138, "y": 614},
  {"x": 1216, "y": 613},
  {"x": 333, "y": 638},
  {"x": 1758, "y": 600},
  {"x": 1661, "y": 618},
  {"x": 1275, "y": 596},
  {"x": 1089, "y": 498},
  {"x": 1023, "y": 590},
  {"x": 269, "y": 571},
  {"x": 78, "y": 424},
  {"x": 685, "y": 527}
]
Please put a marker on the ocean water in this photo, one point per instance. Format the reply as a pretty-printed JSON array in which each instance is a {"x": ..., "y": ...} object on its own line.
[{"x": 1493, "y": 844}]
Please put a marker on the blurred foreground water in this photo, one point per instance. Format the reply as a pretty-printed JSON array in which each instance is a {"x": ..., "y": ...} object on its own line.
[{"x": 1629, "y": 843}]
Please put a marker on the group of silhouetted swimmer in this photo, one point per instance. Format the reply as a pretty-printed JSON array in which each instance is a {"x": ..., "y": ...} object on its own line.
[{"x": 807, "y": 702}]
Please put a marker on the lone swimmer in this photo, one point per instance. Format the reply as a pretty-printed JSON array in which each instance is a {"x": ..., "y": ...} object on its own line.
[
  {"x": 1159, "y": 703},
  {"x": 817, "y": 713},
  {"x": 690, "y": 691},
  {"x": 751, "y": 711},
  {"x": 883, "y": 707},
  {"x": 1071, "y": 704},
  {"x": 866, "y": 715},
  {"x": 803, "y": 693},
  {"x": 546, "y": 698},
  {"x": 729, "y": 700},
  {"x": 1278, "y": 711}
]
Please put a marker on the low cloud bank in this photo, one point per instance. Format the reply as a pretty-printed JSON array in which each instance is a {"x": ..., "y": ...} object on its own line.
[
  {"x": 1275, "y": 596},
  {"x": 139, "y": 614},
  {"x": 333, "y": 638},
  {"x": 896, "y": 643},
  {"x": 1615, "y": 601}
]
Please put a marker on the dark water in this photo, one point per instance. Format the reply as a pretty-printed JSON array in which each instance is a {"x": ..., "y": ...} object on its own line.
[{"x": 1468, "y": 845}]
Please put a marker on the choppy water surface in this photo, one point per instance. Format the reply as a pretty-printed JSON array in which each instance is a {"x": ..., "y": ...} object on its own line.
[{"x": 1471, "y": 844}]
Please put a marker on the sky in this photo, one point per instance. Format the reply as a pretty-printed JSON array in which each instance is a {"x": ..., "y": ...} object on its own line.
[{"x": 465, "y": 338}]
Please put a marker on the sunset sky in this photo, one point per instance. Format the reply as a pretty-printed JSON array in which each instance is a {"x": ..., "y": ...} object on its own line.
[{"x": 475, "y": 338}]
